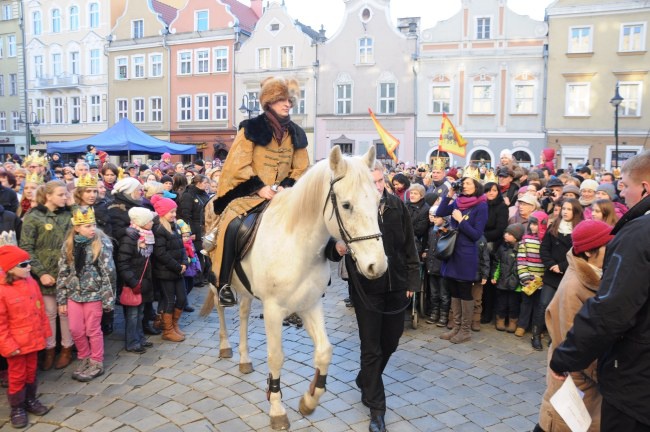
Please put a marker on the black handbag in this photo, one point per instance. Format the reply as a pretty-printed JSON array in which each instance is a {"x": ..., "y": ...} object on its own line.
[{"x": 445, "y": 245}]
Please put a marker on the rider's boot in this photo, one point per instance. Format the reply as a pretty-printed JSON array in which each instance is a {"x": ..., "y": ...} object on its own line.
[{"x": 226, "y": 296}]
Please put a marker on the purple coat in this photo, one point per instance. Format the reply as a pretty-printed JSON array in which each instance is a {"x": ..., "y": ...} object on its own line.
[{"x": 463, "y": 264}]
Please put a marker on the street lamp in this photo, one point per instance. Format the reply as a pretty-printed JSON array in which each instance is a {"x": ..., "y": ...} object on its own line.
[
  {"x": 616, "y": 101},
  {"x": 28, "y": 120},
  {"x": 245, "y": 106}
]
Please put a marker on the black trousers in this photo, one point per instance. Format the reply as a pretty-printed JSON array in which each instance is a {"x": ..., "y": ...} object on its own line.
[
  {"x": 379, "y": 336},
  {"x": 174, "y": 296},
  {"x": 508, "y": 304},
  {"x": 613, "y": 420}
]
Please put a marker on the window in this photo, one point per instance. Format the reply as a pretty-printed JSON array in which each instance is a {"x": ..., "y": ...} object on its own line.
[
  {"x": 184, "y": 108},
  {"x": 6, "y": 12},
  {"x": 632, "y": 94},
  {"x": 74, "y": 62},
  {"x": 482, "y": 99},
  {"x": 387, "y": 98},
  {"x": 40, "y": 110},
  {"x": 11, "y": 46},
  {"x": 201, "y": 20},
  {"x": 221, "y": 107},
  {"x": 137, "y": 29},
  {"x": 155, "y": 65},
  {"x": 56, "y": 21},
  {"x": 346, "y": 148},
  {"x": 138, "y": 110},
  {"x": 524, "y": 99},
  {"x": 366, "y": 51},
  {"x": 221, "y": 59},
  {"x": 3, "y": 121},
  {"x": 184, "y": 63},
  {"x": 15, "y": 116},
  {"x": 344, "y": 99},
  {"x": 95, "y": 109},
  {"x": 75, "y": 109},
  {"x": 56, "y": 64},
  {"x": 577, "y": 99},
  {"x": 440, "y": 99},
  {"x": 202, "y": 61},
  {"x": 13, "y": 84},
  {"x": 155, "y": 109},
  {"x": 138, "y": 66},
  {"x": 2, "y": 47},
  {"x": 122, "y": 110},
  {"x": 202, "y": 107},
  {"x": 2, "y": 85},
  {"x": 93, "y": 12},
  {"x": 121, "y": 68},
  {"x": 286, "y": 57},
  {"x": 483, "y": 28},
  {"x": 37, "y": 23},
  {"x": 580, "y": 39},
  {"x": 253, "y": 101},
  {"x": 38, "y": 66},
  {"x": 74, "y": 18},
  {"x": 264, "y": 58},
  {"x": 95, "y": 65},
  {"x": 299, "y": 108},
  {"x": 58, "y": 110},
  {"x": 632, "y": 37}
]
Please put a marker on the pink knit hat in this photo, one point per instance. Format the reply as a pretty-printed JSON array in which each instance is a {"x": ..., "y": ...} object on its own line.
[
  {"x": 589, "y": 235},
  {"x": 162, "y": 205}
]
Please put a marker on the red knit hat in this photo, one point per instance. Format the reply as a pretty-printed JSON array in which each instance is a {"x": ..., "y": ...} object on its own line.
[
  {"x": 162, "y": 205},
  {"x": 589, "y": 235},
  {"x": 10, "y": 256}
]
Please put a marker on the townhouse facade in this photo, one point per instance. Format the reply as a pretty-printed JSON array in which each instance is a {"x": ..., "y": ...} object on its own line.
[
  {"x": 595, "y": 46},
  {"x": 485, "y": 68}
]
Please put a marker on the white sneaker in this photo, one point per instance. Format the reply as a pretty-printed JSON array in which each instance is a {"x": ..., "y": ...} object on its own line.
[
  {"x": 93, "y": 370},
  {"x": 81, "y": 367}
]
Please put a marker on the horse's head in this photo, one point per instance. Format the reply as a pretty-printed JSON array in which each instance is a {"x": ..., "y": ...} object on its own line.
[{"x": 355, "y": 213}]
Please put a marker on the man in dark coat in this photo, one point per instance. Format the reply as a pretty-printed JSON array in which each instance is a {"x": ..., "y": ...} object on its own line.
[
  {"x": 376, "y": 301},
  {"x": 507, "y": 187},
  {"x": 8, "y": 197},
  {"x": 614, "y": 325}
]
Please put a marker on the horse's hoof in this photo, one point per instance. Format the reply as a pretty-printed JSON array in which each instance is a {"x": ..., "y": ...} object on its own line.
[
  {"x": 303, "y": 408},
  {"x": 246, "y": 368},
  {"x": 280, "y": 422},
  {"x": 225, "y": 353}
]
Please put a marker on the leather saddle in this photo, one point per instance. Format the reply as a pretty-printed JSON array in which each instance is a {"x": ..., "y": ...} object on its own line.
[{"x": 238, "y": 240}]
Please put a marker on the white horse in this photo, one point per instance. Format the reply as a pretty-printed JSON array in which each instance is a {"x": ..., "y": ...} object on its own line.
[{"x": 288, "y": 271}]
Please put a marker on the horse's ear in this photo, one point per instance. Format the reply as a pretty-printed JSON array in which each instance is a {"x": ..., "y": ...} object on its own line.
[
  {"x": 369, "y": 157},
  {"x": 337, "y": 164}
]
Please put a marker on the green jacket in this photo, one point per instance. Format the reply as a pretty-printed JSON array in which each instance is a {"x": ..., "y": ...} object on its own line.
[{"x": 42, "y": 236}]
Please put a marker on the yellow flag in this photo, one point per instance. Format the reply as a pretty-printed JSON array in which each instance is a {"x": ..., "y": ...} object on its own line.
[
  {"x": 390, "y": 142},
  {"x": 450, "y": 140}
]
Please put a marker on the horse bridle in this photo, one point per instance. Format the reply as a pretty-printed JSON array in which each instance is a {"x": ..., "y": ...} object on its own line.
[{"x": 345, "y": 235}]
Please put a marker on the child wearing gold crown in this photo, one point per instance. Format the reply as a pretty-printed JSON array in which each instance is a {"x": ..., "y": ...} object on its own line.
[
  {"x": 193, "y": 264},
  {"x": 85, "y": 288}
]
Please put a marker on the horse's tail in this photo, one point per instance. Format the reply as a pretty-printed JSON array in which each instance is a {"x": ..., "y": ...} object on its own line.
[{"x": 208, "y": 304}]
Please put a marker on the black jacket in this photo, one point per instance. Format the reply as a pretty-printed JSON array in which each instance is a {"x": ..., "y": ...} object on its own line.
[
  {"x": 8, "y": 199},
  {"x": 191, "y": 209},
  {"x": 399, "y": 245},
  {"x": 614, "y": 325},
  {"x": 130, "y": 264},
  {"x": 497, "y": 221},
  {"x": 169, "y": 253},
  {"x": 511, "y": 193},
  {"x": 419, "y": 214},
  {"x": 553, "y": 251},
  {"x": 118, "y": 212},
  {"x": 10, "y": 222}
]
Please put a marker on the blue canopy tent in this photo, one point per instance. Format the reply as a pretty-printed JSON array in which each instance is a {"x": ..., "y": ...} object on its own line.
[{"x": 123, "y": 137}]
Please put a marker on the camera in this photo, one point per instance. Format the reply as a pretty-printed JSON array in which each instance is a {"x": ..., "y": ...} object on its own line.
[
  {"x": 548, "y": 193},
  {"x": 457, "y": 187}
]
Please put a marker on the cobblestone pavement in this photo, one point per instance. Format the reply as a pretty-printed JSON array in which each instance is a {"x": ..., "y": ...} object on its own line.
[{"x": 493, "y": 383}]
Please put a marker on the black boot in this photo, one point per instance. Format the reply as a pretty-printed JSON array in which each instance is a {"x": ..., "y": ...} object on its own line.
[
  {"x": 227, "y": 297},
  {"x": 148, "y": 329},
  {"x": 32, "y": 404},
  {"x": 536, "y": 340},
  {"x": 18, "y": 415},
  {"x": 107, "y": 323},
  {"x": 377, "y": 423}
]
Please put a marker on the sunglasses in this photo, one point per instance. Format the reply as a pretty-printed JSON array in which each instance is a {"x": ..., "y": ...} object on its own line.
[{"x": 24, "y": 264}]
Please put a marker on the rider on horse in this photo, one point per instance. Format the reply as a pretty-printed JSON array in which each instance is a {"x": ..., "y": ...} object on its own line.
[{"x": 268, "y": 154}]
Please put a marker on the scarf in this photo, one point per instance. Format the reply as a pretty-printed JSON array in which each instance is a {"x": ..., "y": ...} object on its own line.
[
  {"x": 189, "y": 248},
  {"x": 79, "y": 252},
  {"x": 465, "y": 202},
  {"x": 566, "y": 227},
  {"x": 145, "y": 241},
  {"x": 597, "y": 270},
  {"x": 278, "y": 124},
  {"x": 586, "y": 203},
  {"x": 25, "y": 205}
]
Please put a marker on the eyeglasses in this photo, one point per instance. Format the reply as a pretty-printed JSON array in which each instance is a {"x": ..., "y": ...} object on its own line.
[{"x": 24, "y": 264}]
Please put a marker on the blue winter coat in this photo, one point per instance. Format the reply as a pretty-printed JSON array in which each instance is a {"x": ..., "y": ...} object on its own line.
[{"x": 463, "y": 264}]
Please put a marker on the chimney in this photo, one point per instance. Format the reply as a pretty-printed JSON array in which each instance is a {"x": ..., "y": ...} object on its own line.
[{"x": 257, "y": 7}]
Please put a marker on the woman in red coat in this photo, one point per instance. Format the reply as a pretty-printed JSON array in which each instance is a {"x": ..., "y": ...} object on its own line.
[{"x": 23, "y": 330}]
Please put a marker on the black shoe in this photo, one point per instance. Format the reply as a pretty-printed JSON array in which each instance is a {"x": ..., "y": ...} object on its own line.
[
  {"x": 147, "y": 344},
  {"x": 149, "y": 329},
  {"x": 137, "y": 350},
  {"x": 107, "y": 329},
  {"x": 377, "y": 423},
  {"x": 188, "y": 309},
  {"x": 348, "y": 302},
  {"x": 536, "y": 342},
  {"x": 226, "y": 297}
]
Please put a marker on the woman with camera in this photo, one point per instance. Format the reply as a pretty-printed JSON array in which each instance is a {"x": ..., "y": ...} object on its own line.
[{"x": 469, "y": 213}]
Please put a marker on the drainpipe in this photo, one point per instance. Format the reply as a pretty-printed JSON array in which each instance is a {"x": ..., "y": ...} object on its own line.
[
  {"x": 416, "y": 58},
  {"x": 28, "y": 134},
  {"x": 164, "y": 32}
]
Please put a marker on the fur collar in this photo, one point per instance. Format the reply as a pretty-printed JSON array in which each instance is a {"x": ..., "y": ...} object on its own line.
[
  {"x": 584, "y": 272},
  {"x": 259, "y": 131}
]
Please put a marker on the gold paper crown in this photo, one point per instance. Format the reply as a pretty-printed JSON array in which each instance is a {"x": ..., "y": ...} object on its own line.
[
  {"x": 472, "y": 172},
  {"x": 439, "y": 163},
  {"x": 185, "y": 228},
  {"x": 83, "y": 216},
  {"x": 87, "y": 180},
  {"x": 34, "y": 178},
  {"x": 35, "y": 158}
]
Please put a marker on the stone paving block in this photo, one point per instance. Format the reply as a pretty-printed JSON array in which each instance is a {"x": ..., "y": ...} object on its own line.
[
  {"x": 150, "y": 422},
  {"x": 483, "y": 418},
  {"x": 59, "y": 414},
  {"x": 117, "y": 408},
  {"x": 106, "y": 425},
  {"x": 519, "y": 423},
  {"x": 333, "y": 424},
  {"x": 220, "y": 415},
  {"x": 82, "y": 420},
  {"x": 451, "y": 418}
]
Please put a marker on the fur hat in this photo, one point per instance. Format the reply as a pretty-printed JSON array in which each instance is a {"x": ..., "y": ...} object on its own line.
[
  {"x": 276, "y": 89},
  {"x": 11, "y": 256},
  {"x": 516, "y": 230},
  {"x": 140, "y": 216},
  {"x": 589, "y": 235}
]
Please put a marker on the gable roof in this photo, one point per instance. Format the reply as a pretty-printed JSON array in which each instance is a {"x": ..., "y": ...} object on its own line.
[
  {"x": 246, "y": 16},
  {"x": 166, "y": 11},
  {"x": 313, "y": 34}
]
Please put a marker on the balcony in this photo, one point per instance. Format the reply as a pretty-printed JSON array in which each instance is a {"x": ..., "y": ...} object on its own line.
[{"x": 57, "y": 82}]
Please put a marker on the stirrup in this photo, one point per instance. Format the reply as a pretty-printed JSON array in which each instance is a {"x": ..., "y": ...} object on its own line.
[{"x": 227, "y": 301}]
